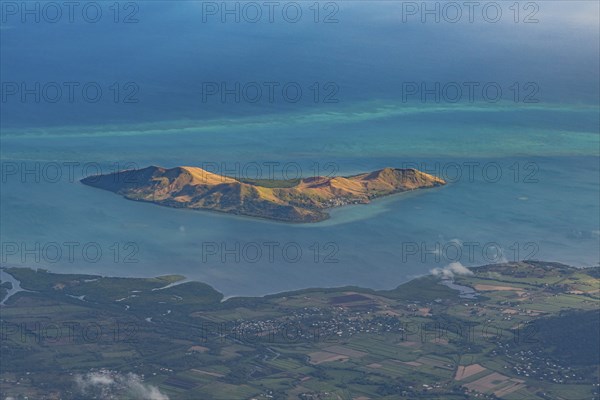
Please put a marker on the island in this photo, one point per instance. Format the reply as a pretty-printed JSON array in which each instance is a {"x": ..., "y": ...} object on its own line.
[{"x": 294, "y": 200}]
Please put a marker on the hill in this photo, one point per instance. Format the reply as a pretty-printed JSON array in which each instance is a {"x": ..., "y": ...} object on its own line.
[{"x": 302, "y": 200}]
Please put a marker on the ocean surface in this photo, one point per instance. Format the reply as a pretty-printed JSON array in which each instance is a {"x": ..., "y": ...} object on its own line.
[{"x": 523, "y": 176}]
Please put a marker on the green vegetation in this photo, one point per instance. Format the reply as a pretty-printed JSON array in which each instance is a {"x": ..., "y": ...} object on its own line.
[
  {"x": 425, "y": 289},
  {"x": 569, "y": 337},
  {"x": 530, "y": 333},
  {"x": 4, "y": 288}
]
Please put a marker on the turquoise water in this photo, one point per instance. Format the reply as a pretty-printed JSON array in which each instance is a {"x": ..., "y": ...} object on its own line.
[
  {"x": 547, "y": 210},
  {"x": 545, "y": 205}
]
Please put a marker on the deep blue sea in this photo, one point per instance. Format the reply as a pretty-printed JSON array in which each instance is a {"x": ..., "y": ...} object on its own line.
[{"x": 520, "y": 146}]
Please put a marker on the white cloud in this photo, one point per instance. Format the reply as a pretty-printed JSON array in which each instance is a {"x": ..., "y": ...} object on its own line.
[
  {"x": 107, "y": 385},
  {"x": 450, "y": 270}
]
